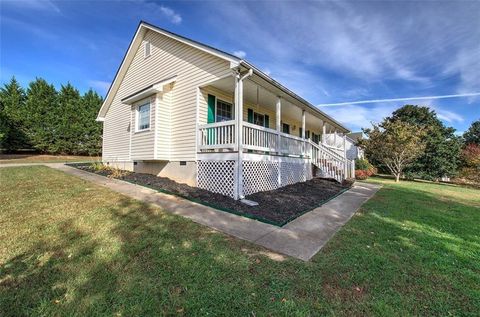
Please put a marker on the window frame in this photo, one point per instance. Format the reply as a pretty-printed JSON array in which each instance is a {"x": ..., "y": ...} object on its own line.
[
  {"x": 257, "y": 114},
  {"x": 137, "y": 116},
  {"x": 217, "y": 100}
]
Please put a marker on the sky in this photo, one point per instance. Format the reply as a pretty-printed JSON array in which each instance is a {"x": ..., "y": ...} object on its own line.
[{"x": 327, "y": 52}]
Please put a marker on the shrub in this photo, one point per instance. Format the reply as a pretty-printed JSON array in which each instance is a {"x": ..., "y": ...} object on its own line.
[
  {"x": 99, "y": 166},
  {"x": 361, "y": 174},
  {"x": 363, "y": 169}
]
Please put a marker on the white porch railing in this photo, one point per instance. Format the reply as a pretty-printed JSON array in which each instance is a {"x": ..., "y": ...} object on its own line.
[
  {"x": 218, "y": 135},
  {"x": 221, "y": 135},
  {"x": 259, "y": 138}
]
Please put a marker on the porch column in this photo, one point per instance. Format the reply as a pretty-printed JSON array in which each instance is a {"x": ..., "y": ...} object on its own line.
[
  {"x": 303, "y": 124},
  {"x": 237, "y": 113},
  {"x": 279, "y": 147},
  {"x": 279, "y": 119},
  {"x": 304, "y": 150},
  {"x": 239, "y": 184},
  {"x": 345, "y": 167},
  {"x": 324, "y": 132},
  {"x": 237, "y": 191},
  {"x": 335, "y": 137}
]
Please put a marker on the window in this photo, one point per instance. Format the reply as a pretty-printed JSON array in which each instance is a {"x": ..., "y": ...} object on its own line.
[
  {"x": 143, "y": 117},
  {"x": 285, "y": 128},
  {"x": 147, "y": 49},
  {"x": 223, "y": 111},
  {"x": 258, "y": 119}
]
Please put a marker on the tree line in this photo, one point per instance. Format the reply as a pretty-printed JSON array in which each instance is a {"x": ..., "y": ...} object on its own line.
[
  {"x": 49, "y": 121},
  {"x": 413, "y": 142}
]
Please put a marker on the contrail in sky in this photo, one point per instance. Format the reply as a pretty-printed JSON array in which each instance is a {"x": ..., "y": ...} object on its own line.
[{"x": 398, "y": 99}]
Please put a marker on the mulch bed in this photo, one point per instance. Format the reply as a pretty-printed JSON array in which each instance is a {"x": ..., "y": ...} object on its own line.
[{"x": 276, "y": 207}]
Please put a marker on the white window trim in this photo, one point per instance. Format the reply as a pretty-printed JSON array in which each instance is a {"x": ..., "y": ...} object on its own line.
[
  {"x": 145, "y": 55},
  {"x": 137, "y": 106},
  {"x": 216, "y": 107}
]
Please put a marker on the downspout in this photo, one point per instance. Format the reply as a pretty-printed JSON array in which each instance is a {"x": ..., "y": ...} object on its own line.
[{"x": 239, "y": 186}]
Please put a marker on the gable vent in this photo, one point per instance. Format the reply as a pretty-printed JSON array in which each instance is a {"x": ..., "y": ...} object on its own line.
[{"x": 147, "y": 49}]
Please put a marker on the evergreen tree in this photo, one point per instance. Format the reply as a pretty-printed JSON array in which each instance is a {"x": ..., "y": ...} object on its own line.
[
  {"x": 12, "y": 101},
  {"x": 69, "y": 128},
  {"x": 41, "y": 114},
  {"x": 442, "y": 151},
  {"x": 92, "y": 130},
  {"x": 472, "y": 135}
]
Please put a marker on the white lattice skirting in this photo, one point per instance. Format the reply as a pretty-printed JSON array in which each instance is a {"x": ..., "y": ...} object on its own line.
[
  {"x": 258, "y": 175},
  {"x": 217, "y": 176}
]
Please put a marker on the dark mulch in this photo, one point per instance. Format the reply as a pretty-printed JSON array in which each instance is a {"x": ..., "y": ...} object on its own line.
[{"x": 276, "y": 206}]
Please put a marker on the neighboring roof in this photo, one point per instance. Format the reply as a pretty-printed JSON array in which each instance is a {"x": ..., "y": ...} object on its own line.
[
  {"x": 234, "y": 62},
  {"x": 355, "y": 136}
]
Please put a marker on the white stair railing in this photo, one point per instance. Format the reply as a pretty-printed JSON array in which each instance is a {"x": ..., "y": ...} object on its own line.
[{"x": 332, "y": 164}]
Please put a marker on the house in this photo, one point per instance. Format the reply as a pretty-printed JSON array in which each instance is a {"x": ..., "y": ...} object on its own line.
[{"x": 184, "y": 110}]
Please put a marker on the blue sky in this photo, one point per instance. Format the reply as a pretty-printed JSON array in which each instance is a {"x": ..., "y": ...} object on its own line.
[{"x": 327, "y": 52}]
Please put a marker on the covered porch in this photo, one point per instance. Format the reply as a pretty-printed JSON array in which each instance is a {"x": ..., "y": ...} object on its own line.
[
  {"x": 253, "y": 135},
  {"x": 271, "y": 121}
]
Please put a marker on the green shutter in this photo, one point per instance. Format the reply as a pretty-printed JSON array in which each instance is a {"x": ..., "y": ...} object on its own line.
[
  {"x": 300, "y": 132},
  {"x": 211, "y": 109},
  {"x": 267, "y": 121},
  {"x": 211, "y": 119},
  {"x": 250, "y": 116}
]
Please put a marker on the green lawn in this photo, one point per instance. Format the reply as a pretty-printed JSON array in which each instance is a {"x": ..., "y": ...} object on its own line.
[
  {"x": 68, "y": 247},
  {"x": 44, "y": 158}
]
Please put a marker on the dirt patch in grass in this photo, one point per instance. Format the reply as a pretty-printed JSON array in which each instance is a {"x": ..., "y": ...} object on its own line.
[{"x": 276, "y": 207}]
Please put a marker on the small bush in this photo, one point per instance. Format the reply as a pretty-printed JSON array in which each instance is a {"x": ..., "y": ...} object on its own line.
[
  {"x": 361, "y": 174},
  {"x": 363, "y": 169},
  {"x": 117, "y": 173},
  {"x": 99, "y": 166}
]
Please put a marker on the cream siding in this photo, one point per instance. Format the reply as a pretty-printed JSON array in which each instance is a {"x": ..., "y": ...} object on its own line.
[
  {"x": 168, "y": 58},
  {"x": 143, "y": 141},
  {"x": 257, "y": 108},
  {"x": 163, "y": 130}
]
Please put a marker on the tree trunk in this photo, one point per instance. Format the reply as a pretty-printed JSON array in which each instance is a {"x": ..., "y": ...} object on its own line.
[{"x": 397, "y": 177}]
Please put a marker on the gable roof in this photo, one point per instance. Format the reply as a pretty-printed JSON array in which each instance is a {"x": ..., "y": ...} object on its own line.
[{"x": 234, "y": 62}]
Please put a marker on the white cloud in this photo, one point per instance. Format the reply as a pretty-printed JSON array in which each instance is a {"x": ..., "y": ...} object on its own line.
[
  {"x": 466, "y": 64},
  {"x": 174, "y": 17},
  {"x": 357, "y": 117},
  {"x": 240, "y": 54},
  {"x": 100, "y": 85},
  {"x": 44, "y": 5}
]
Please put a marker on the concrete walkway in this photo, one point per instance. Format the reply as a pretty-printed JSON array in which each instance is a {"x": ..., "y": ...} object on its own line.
[{"x": 302, "y": 238}]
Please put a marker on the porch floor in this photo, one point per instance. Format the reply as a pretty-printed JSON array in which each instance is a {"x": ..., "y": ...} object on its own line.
[{"x": 302, "y": 238}]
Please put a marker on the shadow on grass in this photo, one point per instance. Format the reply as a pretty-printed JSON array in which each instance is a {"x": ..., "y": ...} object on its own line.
[
  {"x": 422, "y": 258},
  {"x": 406, "y": 248},
  {"x": 146, "y": 263}
]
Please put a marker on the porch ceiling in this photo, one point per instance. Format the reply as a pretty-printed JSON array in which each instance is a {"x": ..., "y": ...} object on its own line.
[{"x": 256, "y": 94}]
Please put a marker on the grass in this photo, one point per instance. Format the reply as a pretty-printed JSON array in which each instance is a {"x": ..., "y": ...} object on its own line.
[
  {"x": 44, "y": 158},
  {"x": 68, "y": 247}
]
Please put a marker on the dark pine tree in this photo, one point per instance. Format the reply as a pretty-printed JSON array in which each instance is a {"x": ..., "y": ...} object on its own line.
[
  {"x": 92, "y": 130},
  {"x": 41, "y": 110},
  {"x": 69, "y": 129},
  {"x": 12, "y": 102}
]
